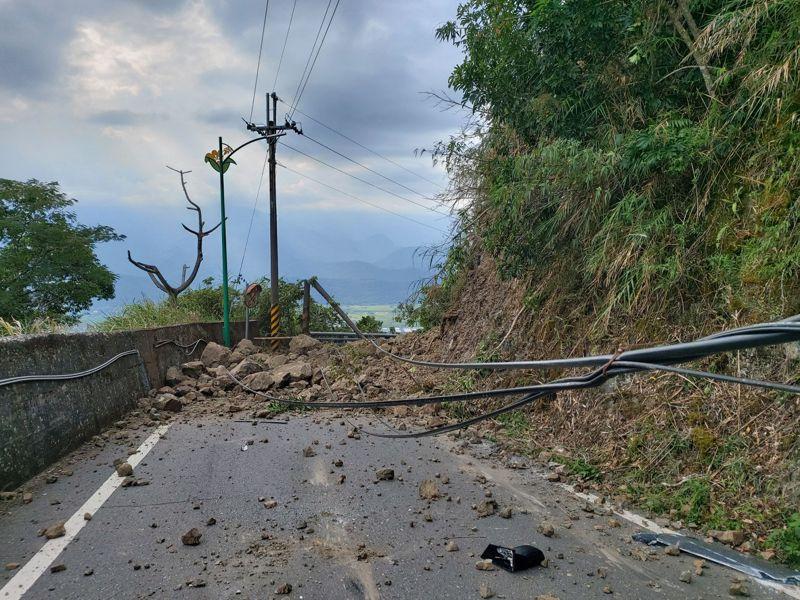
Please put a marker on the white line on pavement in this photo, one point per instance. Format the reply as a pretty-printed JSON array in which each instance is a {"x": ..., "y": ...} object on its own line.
[{"x": 41, "y": 561}]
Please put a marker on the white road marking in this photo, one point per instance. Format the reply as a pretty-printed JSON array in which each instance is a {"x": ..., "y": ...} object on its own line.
[{"x": 41, "y": 561}]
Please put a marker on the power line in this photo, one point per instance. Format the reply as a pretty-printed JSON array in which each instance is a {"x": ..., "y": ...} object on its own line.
[
  {"x": 258, "y": 65},
  {"x": 363, "y": 166},
  {"x": 313, "y": 47},
  {"x": 296, "y": 100},
  {"x": 348, "y": 194},
  {"x": 253, "y": 214},
  {"x": 357, "y": 178},
  {"x": 359, "y": 144},
  {"x": 283, "y": 50}
]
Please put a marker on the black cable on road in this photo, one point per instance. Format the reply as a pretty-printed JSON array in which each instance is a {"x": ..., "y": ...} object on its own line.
[
  {"x": 258, "y": 65},
  {"x": 367, "y": 202},
  {"x": 357, "y": 178},
  {"x": 359, "y": 144}
]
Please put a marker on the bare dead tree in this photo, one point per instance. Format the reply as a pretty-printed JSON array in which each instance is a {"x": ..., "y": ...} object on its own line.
[{"x": 155, "y": 273}]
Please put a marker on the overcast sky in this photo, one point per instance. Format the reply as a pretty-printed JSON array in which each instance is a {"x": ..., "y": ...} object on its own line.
[{"x": 100, "y": 95}]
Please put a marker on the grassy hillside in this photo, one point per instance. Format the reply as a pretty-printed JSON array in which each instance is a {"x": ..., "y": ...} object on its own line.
[{"x": 634, "y": 174}]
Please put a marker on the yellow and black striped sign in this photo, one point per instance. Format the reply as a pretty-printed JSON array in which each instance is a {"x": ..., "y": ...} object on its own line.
[{"x": 275, "y": 324}]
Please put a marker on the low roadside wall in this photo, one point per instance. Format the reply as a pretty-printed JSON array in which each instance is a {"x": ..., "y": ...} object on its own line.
[{"x": 40, "y": 421}]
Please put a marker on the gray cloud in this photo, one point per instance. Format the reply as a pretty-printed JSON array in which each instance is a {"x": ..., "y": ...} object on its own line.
[{"x": 123, "y": 117}]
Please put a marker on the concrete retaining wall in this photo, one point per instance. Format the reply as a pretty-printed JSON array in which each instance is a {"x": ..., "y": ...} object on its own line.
[{"x": 42, "y": 421}]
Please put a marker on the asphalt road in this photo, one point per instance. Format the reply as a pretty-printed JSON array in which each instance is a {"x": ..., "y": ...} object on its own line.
[{"x": 360, "y": 539}]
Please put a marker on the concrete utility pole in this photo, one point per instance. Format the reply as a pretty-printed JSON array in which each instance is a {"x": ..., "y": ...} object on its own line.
[{"x": 271, "y": 129}]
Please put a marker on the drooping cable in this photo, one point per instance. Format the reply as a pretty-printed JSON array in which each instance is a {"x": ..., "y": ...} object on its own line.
[
  {"x": 313, "y": 47},
  {"x": 253, "y": 213},
  {"x": 283, "y": 49},
  {"x": 363, "y": 166},
  {"x": 258, "y": 65},
  {"x": 359, "y": 144},
  {"x": 364, "y": 181},
  {"x": 367, "y": 202},
  {"x": 296, "y": 100}
]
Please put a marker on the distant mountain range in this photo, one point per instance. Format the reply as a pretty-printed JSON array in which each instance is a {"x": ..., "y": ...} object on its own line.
[{"x": 358, "y": 262}]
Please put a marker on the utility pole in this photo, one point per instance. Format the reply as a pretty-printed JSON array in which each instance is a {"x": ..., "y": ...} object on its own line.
[{"x": 271, "y": 129}]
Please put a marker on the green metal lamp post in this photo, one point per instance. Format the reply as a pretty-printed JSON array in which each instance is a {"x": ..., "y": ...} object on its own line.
[{"x": 220, "y": 160}]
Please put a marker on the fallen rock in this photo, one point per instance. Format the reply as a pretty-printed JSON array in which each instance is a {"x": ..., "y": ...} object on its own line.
[
  {"x": 174, "y": 376},
  {"x": 191, "y": 537},
  {"x": 738, "y": 588},
  {"x": 428, "y": 490},
  {"x": 215, "y": 354},
  {"x": 672, "y": 550},
  {"x": 246, "y": 367},
  {"x": 87, "y": 516},
  {"x": 292, "y": 371},
  {"x": 730, "y": 537},
  {"x": 699, "y": 565},
  {"x": 27, "y": 498},
  {"x": 260, "y": 382},
  {"x": 301, "y": 344},
  {"x": 124, "y": 469},
  {"x": 485, "y": 565},
  {"x": 486, "y": 508},
  {"x": 58, "y": 568},
  {"x": 686, "y": 577},
  {"x": 270, "y": 503},
  {"x": 546, "y": 597},
  {"x": 451, "y": 546},
  {"x": 55, "y": 531},
  {"x": 546, "y": 529},
  {"x": 309, "y": 452},
  {"x": 193, "y": 369},
  {"x": 505, "y": 513},
  {"x": 11, "y": 566},
  {"x": 484, "y": 591},
  {"x": 284, "y": 589},
  {"x": 168, "y": 402},
  {"x": 246, "y": 347},
  {"x": 384, "y": 474}
]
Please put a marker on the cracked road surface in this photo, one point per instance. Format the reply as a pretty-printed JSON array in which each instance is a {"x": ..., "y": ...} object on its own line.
[{"x": 362, "y": 538}]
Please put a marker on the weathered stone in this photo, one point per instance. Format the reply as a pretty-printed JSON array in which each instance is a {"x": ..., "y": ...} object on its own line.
[
  {"x": 486, "y": 508},
  {"x": 484, "y": 565},
  {"x": 246, "y": 367},
  {"x": 384, "y": 474},
  {"x": 505, "y": 513},
  {"x": 192, "y": 537},
  {"x": 451, "y": 546},
  {"x": 168, "y": 402},
  {"x": 738, "y": 588},
  {"x": 124, "y": 469},
  {"x": 174, "y": 376},
  {"x": 309, "y": 452},
  {"x": 215, "y": 354},
  {"x": 276, "y": 360},
  {"x": 193, "y": 369},
  {"x": 292, "y": 371},
  {"x": 284, "y": 589},
  {"x": 302, "y": 343},
  {"x": 246, "y": 347},
  {"x": 55, "y": 531},
  {"x": 484, "y": 591},
  {"x": 730, "y": 537},
  {"x": 428, "y": 490},
  {"x": 686, "y": 577},
  {"x": 547, "y": 529}
]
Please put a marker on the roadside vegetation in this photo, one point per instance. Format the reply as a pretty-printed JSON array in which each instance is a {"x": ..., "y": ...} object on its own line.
[{"x": 634, "y": 171}]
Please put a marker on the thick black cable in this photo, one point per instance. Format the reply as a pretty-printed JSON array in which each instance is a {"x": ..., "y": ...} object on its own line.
[
  {"x": 363, "y": 166},
  {"x": 359, "y": 144},
  {"x": 296, "y": 101},
  {"x": 367, "y": 202},
  {"x": 357, "y": 178},
  {"x": 283, "y": 50},
  {"x": 66, "y": 376},
  {"x": 258, "y": 65}
]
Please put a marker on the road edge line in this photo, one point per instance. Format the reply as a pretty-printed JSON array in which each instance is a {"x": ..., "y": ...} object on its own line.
[{"x": 29, "y": 574}]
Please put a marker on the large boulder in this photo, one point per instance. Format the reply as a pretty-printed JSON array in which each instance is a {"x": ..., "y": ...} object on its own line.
[
  {"x": 260, "y": 382},
  {"x": 298, "y": 370},
  {"x": 215, "y": 354},
  {"x": 302, "y": 343},
  {"x": 173, "y": 376},
  {"x": 193, "y": 369},
  {"x": 168, "y": 402},
  {"x": 246, "y": 367},
  {"x": 277, "y": 360},
  {"x": 246, "y": 347}
]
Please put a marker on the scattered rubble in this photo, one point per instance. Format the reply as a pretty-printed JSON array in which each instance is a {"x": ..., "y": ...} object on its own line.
[
  {"x": 428, "y": 490},
  {"x": 191, "y": 537},
  {"x": 384, "y": 474},
  {"x": 55, "y": 531}
]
